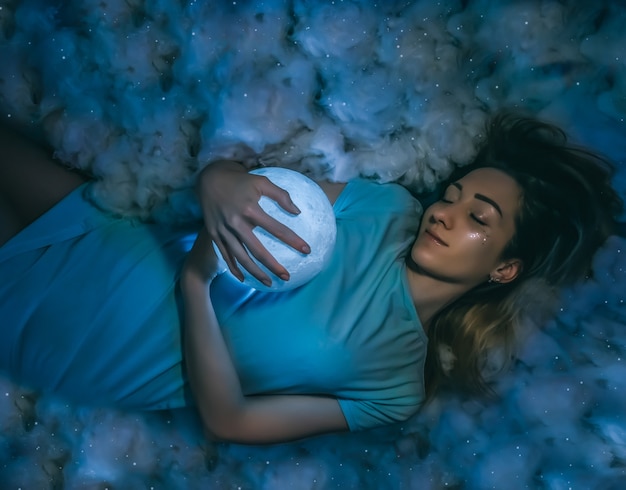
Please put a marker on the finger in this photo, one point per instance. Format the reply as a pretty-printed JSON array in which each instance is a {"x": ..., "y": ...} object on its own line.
[
  {"x": 274, "y": 227},
  {"x": 280, "y": 195},
  {"x": 241, "y": 254},
  {"x": 282, "y": 232},
  {"x": 259, "y": 252},
  {"x": 233, "y": 247},
  {"x": 230, "y": 260}
]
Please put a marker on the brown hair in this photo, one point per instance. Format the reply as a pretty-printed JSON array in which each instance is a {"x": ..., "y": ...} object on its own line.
[{"x": 566, "y": 212}]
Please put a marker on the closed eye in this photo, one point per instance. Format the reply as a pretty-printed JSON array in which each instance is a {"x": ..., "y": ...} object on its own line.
[
  {"x": 478, "y": 220},
  {"x": 448, "y": 196}
]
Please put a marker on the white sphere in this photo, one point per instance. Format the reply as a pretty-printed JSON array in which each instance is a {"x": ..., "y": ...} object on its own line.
[{"x": 315, "y": 225}]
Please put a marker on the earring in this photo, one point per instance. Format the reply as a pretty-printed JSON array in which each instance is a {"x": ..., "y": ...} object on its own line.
[
  {"x": 484, "y": 240},
  {"x": 494, "y": 279}
]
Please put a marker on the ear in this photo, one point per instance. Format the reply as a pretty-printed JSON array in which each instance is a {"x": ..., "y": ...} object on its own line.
[{"x": 507, "y": 271}]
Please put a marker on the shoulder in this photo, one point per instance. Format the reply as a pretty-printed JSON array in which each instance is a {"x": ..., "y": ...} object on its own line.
[
  {"x": 366, "y": 196},
  {"x": 331, "y": 189}
]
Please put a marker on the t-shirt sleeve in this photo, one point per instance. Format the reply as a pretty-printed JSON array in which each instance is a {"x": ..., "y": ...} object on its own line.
[{"x": 368, "y": 414}]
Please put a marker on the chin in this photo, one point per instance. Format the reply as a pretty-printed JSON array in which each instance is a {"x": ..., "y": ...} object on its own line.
[
  {"x": 425, "y": 256},
  {"x": 424, "y": 262},
  {"x": 435, "y": 267}
]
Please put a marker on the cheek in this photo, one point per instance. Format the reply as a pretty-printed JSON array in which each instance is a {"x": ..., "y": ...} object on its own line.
[
  {"x": 476, "y": 236},
  {"x": 479, "y": 252}
]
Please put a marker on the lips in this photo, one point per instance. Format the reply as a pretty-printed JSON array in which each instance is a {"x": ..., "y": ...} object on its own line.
[{"x": 435, "y": 237}]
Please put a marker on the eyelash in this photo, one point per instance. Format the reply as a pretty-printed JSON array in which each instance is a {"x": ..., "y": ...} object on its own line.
[
  {"x": 475, "y": 218},
  {"x": 472, "y": 215}
]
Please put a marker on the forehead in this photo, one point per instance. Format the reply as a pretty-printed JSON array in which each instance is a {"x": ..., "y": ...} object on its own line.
[{"x": 496, "y": 185}]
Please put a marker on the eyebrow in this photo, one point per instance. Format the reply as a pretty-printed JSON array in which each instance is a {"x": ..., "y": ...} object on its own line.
[{"x": 481, "y": 197}]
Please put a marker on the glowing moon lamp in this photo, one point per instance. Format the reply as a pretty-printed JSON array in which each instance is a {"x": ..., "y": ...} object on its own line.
[{"x": 315, "y": 225}]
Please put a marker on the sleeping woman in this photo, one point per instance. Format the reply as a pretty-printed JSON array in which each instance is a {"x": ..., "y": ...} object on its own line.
[{"x": 109, "y": 311}]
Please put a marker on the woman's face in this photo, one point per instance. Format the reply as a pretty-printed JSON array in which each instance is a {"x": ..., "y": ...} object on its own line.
[{"x": 462, "y": 236}]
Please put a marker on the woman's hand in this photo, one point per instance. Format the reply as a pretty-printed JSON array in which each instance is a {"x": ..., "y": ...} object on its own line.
[
  {"x": 201, "y": 264},
  {"x": 229, "y": 197}
]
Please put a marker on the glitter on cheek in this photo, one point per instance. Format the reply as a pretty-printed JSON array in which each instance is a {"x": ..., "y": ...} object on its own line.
[{"x": 479, "y": 236}]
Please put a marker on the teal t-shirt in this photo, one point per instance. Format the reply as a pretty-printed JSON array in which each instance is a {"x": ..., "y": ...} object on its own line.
[
  {"x": 89, "y": 309},
  {"x": 351, "y": 332}
]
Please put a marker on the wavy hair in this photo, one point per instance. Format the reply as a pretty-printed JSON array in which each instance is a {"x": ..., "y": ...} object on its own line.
[{"x": 567, "y": 210}]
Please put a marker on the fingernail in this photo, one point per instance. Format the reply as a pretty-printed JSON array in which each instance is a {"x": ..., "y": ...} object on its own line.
[
  {"x": 267, "y": 282},
  {"x": 284, "y": 276},
  {"x": 297, "y": 209},
  {"x": 306, "y": 249}
]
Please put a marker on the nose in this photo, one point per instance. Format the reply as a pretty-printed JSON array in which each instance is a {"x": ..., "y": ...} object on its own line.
[{"x": 443, "y": 214}]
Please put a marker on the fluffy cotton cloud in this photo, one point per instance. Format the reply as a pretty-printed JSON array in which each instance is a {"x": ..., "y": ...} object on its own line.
[{"x": 403, "y": 88}]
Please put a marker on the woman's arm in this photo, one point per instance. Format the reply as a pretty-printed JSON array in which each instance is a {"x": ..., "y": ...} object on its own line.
[
  {"x": 31, "y": 182},
  {"x": 224, "y": 410}
]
